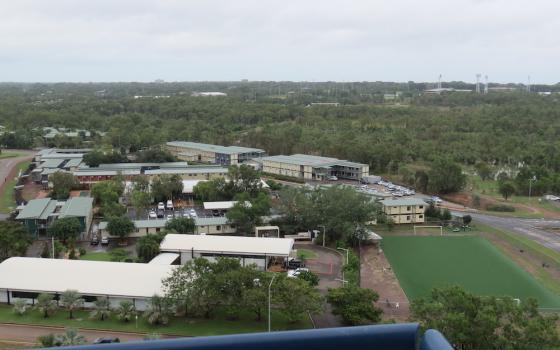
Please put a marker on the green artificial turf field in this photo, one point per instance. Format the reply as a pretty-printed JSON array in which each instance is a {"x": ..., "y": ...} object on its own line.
[{"x": 422, "y": 263}]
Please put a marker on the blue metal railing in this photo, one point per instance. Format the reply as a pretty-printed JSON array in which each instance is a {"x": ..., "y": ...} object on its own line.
[{"x": 404, "y": 336}]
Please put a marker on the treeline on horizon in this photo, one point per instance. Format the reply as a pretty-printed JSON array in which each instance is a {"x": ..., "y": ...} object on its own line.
[{"x": 502, "y": 129}]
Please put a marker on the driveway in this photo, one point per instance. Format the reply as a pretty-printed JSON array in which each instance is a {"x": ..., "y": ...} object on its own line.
[
  {"x": 328, "y": 266},
  {"x": 28, "y": 334},
  {"x": 530, "y": 228}
]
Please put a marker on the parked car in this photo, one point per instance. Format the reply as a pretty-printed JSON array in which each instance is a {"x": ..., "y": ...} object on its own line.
[
  {"x": 160, "y": 213},
  {"x": 186, "y": 214},
  {"x": 193, "y": 213},
  {"x": 94, "y": 239},
  {"x": 333, "y": 178},
  {"x": 104, "y": 240},
  {"x": 169, "y": 216},
  {"x": 152, "y": 215},
  {"x": 169, "y": 204},
  {"x": 297, "y": 272},
  {"x": 160, "y": 206},
  {"x": 106, "y": 340}
]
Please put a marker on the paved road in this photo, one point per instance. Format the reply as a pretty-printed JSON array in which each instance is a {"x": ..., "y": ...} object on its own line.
[
  {"x": 6, "y": 167},
  {"x": 29, "y": 334},
  {"x": 530, "y": 228}
]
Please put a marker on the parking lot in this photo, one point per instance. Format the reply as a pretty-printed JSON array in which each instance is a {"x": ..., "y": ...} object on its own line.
[{"x": 187, "y": 212}]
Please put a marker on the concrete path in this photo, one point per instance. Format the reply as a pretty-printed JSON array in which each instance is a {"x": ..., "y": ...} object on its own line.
[
  {"x": 28, "y": 334},
  {"x": 530, "y": 228}
]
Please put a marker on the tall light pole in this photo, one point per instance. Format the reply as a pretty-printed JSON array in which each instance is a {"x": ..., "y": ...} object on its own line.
[
  {"x": 534, "y": 178},
  {"x": 324, "y": 231},
  {"x": 269, "y": 295},
  {"x": 343, "y": 280}
]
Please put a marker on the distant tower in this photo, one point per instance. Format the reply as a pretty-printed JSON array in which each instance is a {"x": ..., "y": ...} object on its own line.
[
  {"x": 478, "y": 83},
  {"x": 529, "y": 83},
  {"x": 485, "y": 84},
  {"x": 439, "y": 82}
]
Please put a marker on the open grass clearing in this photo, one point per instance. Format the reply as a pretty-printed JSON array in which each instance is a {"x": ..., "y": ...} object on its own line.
[
  {"x": 96, "y": 256},
  {"x": 6, "y": 154},
  {"x": 177, "y": 325},
  {"x": 306, "y": 254},
  {"x": 7, "y": 201},
  {"x": 423, "y": 263}
]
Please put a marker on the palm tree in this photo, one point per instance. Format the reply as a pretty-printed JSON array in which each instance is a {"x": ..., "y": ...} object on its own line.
[
  {"x": 158, "y": 310},
  {"x": 126, "y": 311},
  {"x": 102, "y": 309},
  {"x": 71, "y": 300},
  {"x": 20, "y": 307},
  {"x": 45, "y": 304},
  {"x": 70, "y": 337}
]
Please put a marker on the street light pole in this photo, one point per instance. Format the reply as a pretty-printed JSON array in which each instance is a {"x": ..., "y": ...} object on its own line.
[
  {"x": 530, "y": 183},
  {"x": 269, "y": 295},
  {"x": 343, "y": 280}
]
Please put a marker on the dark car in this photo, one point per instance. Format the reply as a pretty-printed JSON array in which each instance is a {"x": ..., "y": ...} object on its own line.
[
  {"x": 106, "y": 340},
  {"x": 94, "y": 240},
  {"x": 294, "y": 264}
]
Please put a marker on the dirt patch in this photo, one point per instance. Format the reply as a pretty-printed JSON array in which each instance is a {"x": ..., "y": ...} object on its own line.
[
  {"x": 31, "y": 190},
  {"x": 377, "y": 274}
]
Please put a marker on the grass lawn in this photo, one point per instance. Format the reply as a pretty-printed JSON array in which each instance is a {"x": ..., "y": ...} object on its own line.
[
  {"x": 177, "y": 326},
  {"x": 7, "y": 196},
  {"x": 306, "y": 254},
  {"x": 96, "y": 256},
  {"x": 9, "y": 155},
  {"x": 422, "y": 263}
]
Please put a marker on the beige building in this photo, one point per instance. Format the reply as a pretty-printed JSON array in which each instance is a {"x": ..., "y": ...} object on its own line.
[
  {"x": 405, "y": 211},
  {"x": 213, "y": 154},
  {"x": 313, "y": 167},
  {"x": 203, "y": 226}
]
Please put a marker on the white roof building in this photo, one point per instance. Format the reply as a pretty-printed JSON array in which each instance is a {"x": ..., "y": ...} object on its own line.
[
  {"x": 222, "y": 205},
  {"x": 91, "y": 278},
  {"x": 234, "y": 245}
]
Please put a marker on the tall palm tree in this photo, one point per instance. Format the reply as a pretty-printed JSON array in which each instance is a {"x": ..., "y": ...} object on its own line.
[
  {"x": 70, "y": 337},
  {"x": 71, "y": 300},
  {"x": 126, "y": 311},
  {"x": 46, "y": 304},
  {"x": 102, "y": 309}
]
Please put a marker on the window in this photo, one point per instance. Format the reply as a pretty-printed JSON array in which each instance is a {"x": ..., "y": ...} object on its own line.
[
  {"x": 408, "y": 208},
  {"x": 89, "y": 298},
  {"x": 25, "y": 295},
  {"x": 420, "y": 216},
  {"x": 218, "y": 228},
  {"x": 421, "y": 207},
  {"x": 408, "y": 217},
  {"x": 157, "y": 229}
]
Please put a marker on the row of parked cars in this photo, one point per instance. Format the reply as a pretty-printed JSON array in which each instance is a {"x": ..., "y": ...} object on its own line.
[{"x": 396, "y": 190}]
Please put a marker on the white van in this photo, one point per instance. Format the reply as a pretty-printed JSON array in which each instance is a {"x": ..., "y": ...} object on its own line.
[{"x": 169, "y": 204}]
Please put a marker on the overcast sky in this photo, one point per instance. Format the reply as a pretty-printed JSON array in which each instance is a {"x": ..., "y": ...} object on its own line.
[{"x": 313, "y": 40}]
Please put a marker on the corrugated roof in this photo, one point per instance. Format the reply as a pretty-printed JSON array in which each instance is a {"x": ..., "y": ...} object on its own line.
[
  {"x": 77, "y": 207},
  {"x": 403, "y": 201},
  {"x": 222, "y": 205},
  {"x": 315, "y": 161},
  {"x": 73, "y": 163},
  {"x": 51, "y": 163},
  {"x": 197, "y": 170},
  {"x": 215, "y": 148},
  {"x": 164, "y": 258},
  {"x": 35, "y": 208},
  {"x": 227, "y": 244},
  {"x": 87, "y": 277},
  {"x": 140, "y": 223},
  {"x": 114, "y": 166}
]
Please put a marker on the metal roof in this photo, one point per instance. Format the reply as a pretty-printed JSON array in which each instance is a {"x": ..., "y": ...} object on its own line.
[
  {"x": 139, "y": 224},
  {"x": 35, "y": 208},
  {"x": 222, "y": 205},
  {"x": 314, "y": 161},
  {"x": 114, "y": 166},
  {"x": 51, "y": 163},
  {"x": 227, "y": 244},
  {"x": 77, "y": 207},
  {"x": 193, "y": 170},
  {"x": 87, "y": 277},
  {"x": 88, "y": 172},
  {"x": 73, "y": 163},
  {"x": 214, "y": 148},
  {"x": 164, "y": 258},
  {"x": 403, "y": 201}
]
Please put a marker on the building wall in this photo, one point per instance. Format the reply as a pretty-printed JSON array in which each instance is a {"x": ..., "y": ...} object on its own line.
[
  {"x": 215, "y": 229},
  {"x": 406, "y": 214},
  {"x": 288, "y": 169},
  {"x": 260, "y": 262}
]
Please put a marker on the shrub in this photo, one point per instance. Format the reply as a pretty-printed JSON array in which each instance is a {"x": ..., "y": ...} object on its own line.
[
  {"x": 82, "y": 251},
  {"x": 500, "y": 208}
]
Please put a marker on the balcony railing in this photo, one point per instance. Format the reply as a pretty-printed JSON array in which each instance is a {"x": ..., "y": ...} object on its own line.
[{"x": 381, "y": 337}]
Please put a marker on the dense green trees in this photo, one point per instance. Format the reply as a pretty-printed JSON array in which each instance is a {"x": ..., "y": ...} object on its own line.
[
  {"x": 340, "y": 209},
  {"x": 147, "y": 247},
  {"x": 247, "y": 213},
  {"x": 445, "y": 176},
  {"x": 14, "y": 240},
  {"x": 180, "y": 225},
  {"x": 355, "y": 305},
  {"x": 165, "y": 187},
  {"x": 120, "y": 226},
  {"x": 66, "y": 229},
  {"x": 62, "y": 183},
  {"x": 475, "y": 322}
]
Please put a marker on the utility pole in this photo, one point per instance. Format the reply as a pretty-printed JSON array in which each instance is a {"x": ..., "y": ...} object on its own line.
[
  {"x": 343, "y": 280},
  {"x": 324, "y": 231},
  {"x": 52, "y": 245},
  {"x": 534, "y": 178},
  {"x": 269, "y": 295}
]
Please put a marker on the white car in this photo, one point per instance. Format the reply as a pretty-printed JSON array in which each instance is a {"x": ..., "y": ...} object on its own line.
[
  {"x": 186, "y": 215},
  {"x": 160, "y": 206},
  {"x": 193, "y": 212},
  {"x": 333, "y": 178},
  {"x": 169, "y": 216},
  {"x": 297, "y": 272},
  {"x": 169, "y": 204},
  {"x": 152, "y": 215}
]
